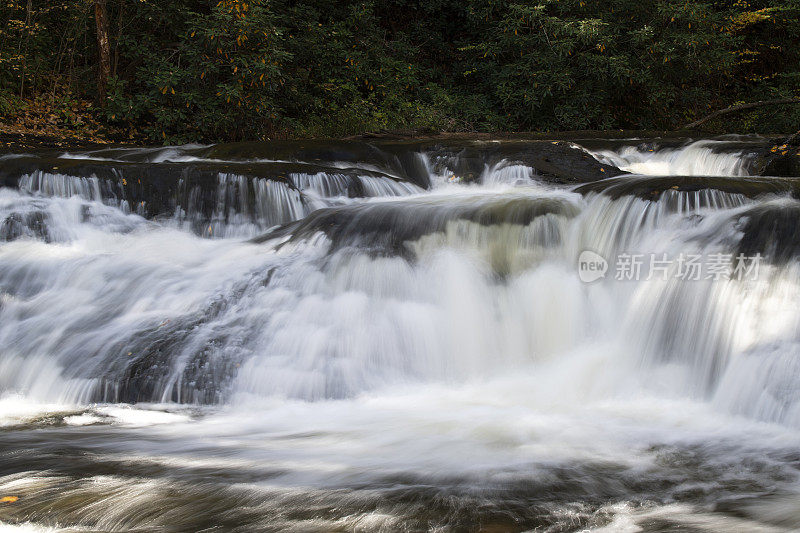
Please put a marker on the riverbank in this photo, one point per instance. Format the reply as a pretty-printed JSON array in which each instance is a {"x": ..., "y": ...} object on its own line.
[{"x": 15, "y": 137}]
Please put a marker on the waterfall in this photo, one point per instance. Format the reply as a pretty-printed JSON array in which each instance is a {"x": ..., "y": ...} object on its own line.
[
  {"x": 351, "y": 339},
  {"x": 63, "y": 186},
  {"x": 507, "y": 174},
  {"x": 379, "y": 186},
  {"x": 698, "y": 158},
  {"x": 525, "y": 236}
]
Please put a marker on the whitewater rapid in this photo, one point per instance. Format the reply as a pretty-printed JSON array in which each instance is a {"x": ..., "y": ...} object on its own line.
[
  {"x": 698, "y": 158},
  {"x": 410, "y": 358}
]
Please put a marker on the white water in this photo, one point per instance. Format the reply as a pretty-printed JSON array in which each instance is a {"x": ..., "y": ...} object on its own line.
[
  {"x": 695, "y": 159},
  {"x": 483, "y": 367},
  {"x": 243, "y": 206}
]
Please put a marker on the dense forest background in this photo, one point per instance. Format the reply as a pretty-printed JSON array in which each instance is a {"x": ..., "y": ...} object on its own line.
[{"x": 194, "y": 70}]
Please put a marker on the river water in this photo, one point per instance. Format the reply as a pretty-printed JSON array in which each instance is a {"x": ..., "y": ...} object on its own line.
[{"x": 354, "y": 348}]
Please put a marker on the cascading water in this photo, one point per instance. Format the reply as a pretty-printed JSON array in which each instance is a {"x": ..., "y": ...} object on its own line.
[
  {"x": 696, "y": 158},
  {"x": 395, "y": 358}
]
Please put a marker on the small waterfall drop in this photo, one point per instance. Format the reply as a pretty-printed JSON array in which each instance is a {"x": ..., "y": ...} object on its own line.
[{"x": 698, "y": 158}]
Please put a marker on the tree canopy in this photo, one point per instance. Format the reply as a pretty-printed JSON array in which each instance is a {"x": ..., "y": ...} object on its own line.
[{"x": 194, "y": 70}]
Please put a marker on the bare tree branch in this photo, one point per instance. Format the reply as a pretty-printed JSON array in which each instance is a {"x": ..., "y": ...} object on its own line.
[{"x": 740, "y": 107}]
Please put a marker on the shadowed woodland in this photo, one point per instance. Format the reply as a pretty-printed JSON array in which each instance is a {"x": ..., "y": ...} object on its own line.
[{"x": 188, "y": 70}]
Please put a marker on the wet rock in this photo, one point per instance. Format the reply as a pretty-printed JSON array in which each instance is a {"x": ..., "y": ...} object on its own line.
[
  {"x": 553, "y": 161},
  {"x": 385, "y": 227},
  {"x": 772, "y": 230},
  {"x": 17, "y": 225},
  {"x": 781, "y": 158},
  {"x": 651, "y": 187},
  {"x": 563, "y": 162},
  {"x": 141, "y": 370},
  {"x": 784, "y": 162}
]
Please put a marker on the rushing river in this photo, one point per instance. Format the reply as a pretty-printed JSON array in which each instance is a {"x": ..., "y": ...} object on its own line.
[{"x": 399, "y": 338}]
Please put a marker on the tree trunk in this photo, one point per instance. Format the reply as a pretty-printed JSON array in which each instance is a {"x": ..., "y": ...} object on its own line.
[
  {"x": 28, "y": 11},
  {"x": 103, "y": 48}
]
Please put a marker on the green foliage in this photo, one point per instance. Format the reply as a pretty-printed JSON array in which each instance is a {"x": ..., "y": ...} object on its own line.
[
  {"x": 215, "y": 76},
  {"x": 9, "y": 103},
  {"x": 40, "y": 47},
  {"x": 194, "y": 70},
  {"x": 574, "y": 65}
]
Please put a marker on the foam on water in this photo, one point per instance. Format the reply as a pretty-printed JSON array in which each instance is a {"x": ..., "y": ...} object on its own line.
[
  {"x": 695, "y": 159},
  {"x": 507, "y": 174},
  {"x": 426, "y": 360}
]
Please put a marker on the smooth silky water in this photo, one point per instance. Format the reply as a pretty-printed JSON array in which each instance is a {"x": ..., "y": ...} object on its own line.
[{"x": 405, "y": 360}]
